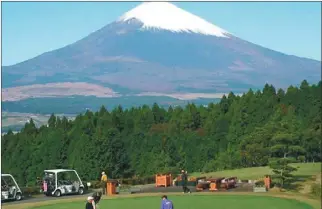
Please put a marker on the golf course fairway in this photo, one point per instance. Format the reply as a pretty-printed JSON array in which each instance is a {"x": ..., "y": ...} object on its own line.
[{"x": 191, "y": 202}]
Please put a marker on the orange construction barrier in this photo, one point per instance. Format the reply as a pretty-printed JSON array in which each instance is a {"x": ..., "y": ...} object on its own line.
[
  {"x": 213, "y": 187},
  {"x": 215, "y": 183},
  {"x": 111, "y": 187},
  {"x": 163, "y": 180}
]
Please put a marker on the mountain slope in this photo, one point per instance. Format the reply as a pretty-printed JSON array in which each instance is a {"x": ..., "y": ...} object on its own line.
[{"x": 147, "y": 51}]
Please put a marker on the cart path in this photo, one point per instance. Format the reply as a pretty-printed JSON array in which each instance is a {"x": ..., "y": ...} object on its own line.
[
  {"x": 146, "y": 190},
  {"x": 38, "y": 198}
]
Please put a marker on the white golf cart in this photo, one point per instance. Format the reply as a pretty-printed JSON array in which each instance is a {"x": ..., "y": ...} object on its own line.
[
  {"x": 59, "y": 182},
  {"x": 9, "y": 188}
]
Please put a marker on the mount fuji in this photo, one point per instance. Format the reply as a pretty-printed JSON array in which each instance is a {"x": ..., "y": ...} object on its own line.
[{"x": 155, "y": 49}]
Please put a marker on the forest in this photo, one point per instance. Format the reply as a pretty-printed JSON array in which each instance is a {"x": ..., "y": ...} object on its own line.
[{"x": 238, "y": 131}]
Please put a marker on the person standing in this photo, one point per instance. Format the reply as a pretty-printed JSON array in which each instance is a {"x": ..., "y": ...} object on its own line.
[
  {"x": 104, "y": 182},
  {"x": 165, "y": 203},
  {"x": 184, "y": 179}
]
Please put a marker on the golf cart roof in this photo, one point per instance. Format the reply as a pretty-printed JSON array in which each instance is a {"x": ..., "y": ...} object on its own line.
[
  {"x": 13, "y": 179},
  {"x": 59, "y": 170},
  {"x": 5, "y": 174}
]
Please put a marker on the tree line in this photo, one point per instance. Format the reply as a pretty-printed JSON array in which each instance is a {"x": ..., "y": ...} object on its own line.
[{"x": 239, "y": 131}]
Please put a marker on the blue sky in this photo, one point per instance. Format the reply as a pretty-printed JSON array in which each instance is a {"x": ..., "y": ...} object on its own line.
[{"x": 32, "y": 28}]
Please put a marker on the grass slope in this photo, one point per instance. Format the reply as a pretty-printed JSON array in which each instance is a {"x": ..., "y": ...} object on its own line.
[
  {"x": 305, "y": 177},
  {"x": 255, "y": 173}
]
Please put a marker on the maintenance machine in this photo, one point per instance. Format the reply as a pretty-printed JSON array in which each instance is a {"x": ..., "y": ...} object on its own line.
[
  {"x": 59, "y": 182},
  {"x": 9, "y": 188}
]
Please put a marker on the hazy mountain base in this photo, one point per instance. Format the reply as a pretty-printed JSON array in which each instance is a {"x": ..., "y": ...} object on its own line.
[
  {"x": 71, "y": 89},
  {"x": 15, "y": 121},
  {"x": 17, "y": 113}
]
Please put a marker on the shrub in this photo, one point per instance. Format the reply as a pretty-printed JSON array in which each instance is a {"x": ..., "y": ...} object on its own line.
[
  {"x": 275, "y": 183},
  {"x": 30, "y": 190},
  {"x": 260, "y": 184},
  {"x": 138, "y": 181},
  {"x": 210, "y": 166},
  {"x": 95, "y": 184},
  {"x": 133, "y": 181}
]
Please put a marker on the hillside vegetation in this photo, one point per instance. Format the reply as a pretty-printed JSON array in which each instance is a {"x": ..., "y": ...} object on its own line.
[{"x": 238, "y": 132}]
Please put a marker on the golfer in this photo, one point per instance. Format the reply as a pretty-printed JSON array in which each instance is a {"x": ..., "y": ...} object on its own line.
[
  {"x": 184, "y": 179},
  {"x": 165, "y": 203},
  {"x": 90, "y": 204},
  {"x": 97, "y": 197}
]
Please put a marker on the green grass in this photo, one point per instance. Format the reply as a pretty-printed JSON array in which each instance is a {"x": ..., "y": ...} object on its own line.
[
  {"x": 192, "y": 202},
  {"x": 255, "y": 173}
]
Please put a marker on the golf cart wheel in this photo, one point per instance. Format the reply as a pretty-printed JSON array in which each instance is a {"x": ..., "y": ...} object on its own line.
[
  {"x": 81, "y": 191},
  {"x": 57, "y": 193},
  {"x": 18, "y": 196}
]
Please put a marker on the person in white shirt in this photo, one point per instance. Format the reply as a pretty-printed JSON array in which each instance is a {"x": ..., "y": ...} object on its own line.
[{"x": 90, "y": 204}]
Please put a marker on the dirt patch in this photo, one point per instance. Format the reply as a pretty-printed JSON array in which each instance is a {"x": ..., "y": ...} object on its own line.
[
  {"x": 318, "y": 178},
  {"x": 305, "y": 187},
  {"x": 56, "y": 90}
]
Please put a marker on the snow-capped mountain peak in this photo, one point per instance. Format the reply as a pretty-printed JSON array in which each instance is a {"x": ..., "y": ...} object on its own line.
[{"x": 166, "y": 16}]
